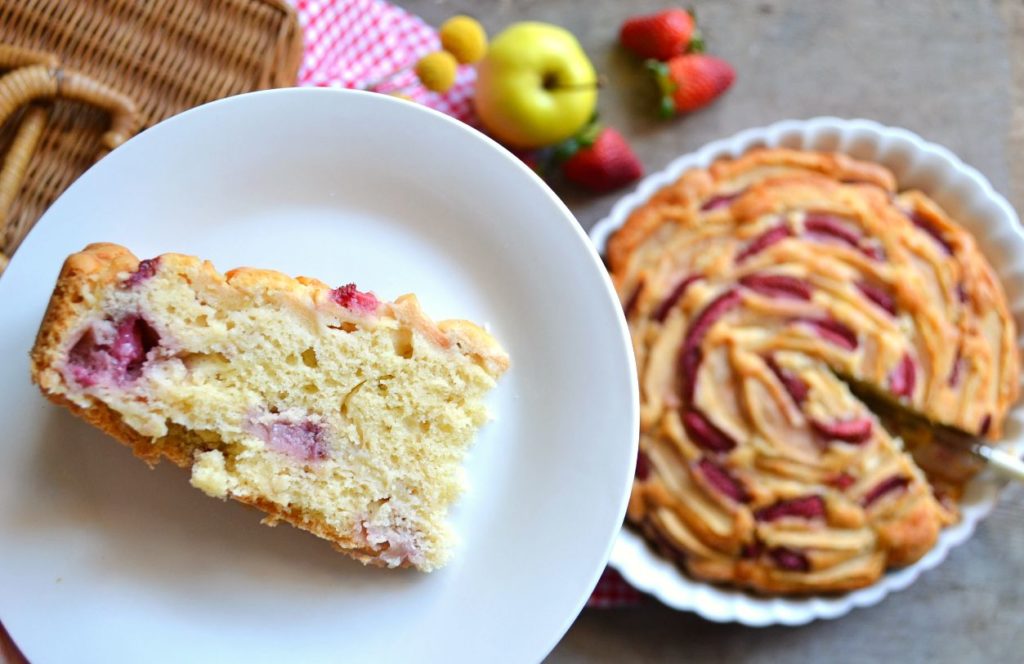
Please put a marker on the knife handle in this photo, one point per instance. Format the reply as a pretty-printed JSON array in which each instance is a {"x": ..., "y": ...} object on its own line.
[{"x": 1001, "y": 461}]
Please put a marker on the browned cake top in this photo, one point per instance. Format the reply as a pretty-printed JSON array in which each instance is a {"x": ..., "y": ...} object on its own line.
[{"x": 756, "y": 290}]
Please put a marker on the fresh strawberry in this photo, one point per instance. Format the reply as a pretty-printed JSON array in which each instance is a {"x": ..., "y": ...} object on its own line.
[
  {"x": 540, "y": 161},
  {"x": 661, "y": 36},
  {"x": 688, "y": 82},
  {"x": 601, "y": 160},
  {"x": 532, "y": 159}
]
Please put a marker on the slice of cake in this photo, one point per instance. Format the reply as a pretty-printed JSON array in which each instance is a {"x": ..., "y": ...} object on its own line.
[{"x": 326, "y": 408}]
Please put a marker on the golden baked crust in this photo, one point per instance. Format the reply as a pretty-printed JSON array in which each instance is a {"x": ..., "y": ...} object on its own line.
[
  {"x": 755, "y": 290},
  {"x": 101, "y": 264},
  {"x": 94, "y": 280}
]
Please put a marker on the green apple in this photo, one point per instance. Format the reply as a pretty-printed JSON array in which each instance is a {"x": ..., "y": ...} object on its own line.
[{"x": 535, "y": 86}]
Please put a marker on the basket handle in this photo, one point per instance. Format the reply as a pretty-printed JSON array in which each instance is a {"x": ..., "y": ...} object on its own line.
[
  {"x": 12, "y": 57},
  {"x": 32, "y": 82},
  {"x": 38, "y": 77},
  {"x": 16, "y": 163}
]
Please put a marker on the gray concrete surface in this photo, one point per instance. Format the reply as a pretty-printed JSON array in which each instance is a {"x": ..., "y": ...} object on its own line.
[{"x": 952, "y": 70}]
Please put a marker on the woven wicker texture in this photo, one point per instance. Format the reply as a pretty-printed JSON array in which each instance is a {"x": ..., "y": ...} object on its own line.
[{"x": 163, "y": 55}]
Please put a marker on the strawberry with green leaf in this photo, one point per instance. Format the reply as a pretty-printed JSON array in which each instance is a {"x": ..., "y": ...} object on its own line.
[
  {"x": 688, "y": 82},
  {"x": 663, "y": 35},
  {"x": 599, "y": 159}
]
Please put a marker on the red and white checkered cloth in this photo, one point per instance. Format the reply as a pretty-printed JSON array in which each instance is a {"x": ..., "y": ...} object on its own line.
[
  {"x": 613, "y": 592},
  {"x": 353, "y": 43}
]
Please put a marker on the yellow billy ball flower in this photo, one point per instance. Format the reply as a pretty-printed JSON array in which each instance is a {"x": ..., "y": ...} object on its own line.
[
  {"x": 464, "y": 37},
  {"x": 437, "y": 71}
]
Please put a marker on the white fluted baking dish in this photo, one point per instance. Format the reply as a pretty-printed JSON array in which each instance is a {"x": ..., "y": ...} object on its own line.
[{"x": 969, "y": 198}]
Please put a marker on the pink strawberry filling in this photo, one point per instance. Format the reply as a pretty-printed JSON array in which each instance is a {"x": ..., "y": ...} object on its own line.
[
  {"x": 705, "y": 434},
  {"x": 777, "y": 285},
  {"x": 763, "y": 241},
  {"x": 842, "y": 481},
  {"x": 857, "y": 430},
  {"x": 833, "y": 331},
  {"x": 715, "y": 310},
  {"x": 795, "y": 385},
  {"x": 399, "y": 547},
  {"x": 689, "y": 363},
  {"x": 147, "y": 268},
  {"x": 831, "y": 226},
  {"x": 878, "y": 295},
  {"x": 723, "y": 481},
  {"x": 630, "y": 304},
  {"x": 928, "y": 227},
  {"x": 304, "y": 441},
  {"x": 119, "y": 361},
  {"x": 690, "y": 356},
  {"x": 961, "y": 293},
  {"x": 752, "y": 550},
  {"x": 789, "y": 559},
  {"x": 805, "y": 507},
  {"x": 643, "y": 466},
  {"x": 954, "y": 374},
  {"x": 986, "y": 424},
  {"x": 720, "y": 201},
  {"x": 895, "y": 483},
  {"x": 873, "y": 251},
  {"x": 903, "y": 378},
  {"x": 661, "y": 313},
  {"x": 355, "y": 300}
]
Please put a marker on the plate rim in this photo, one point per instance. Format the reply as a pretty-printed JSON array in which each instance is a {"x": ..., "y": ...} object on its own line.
[
  {"x": 602, "y": 285},
  {"x": 633, "y": 559}
]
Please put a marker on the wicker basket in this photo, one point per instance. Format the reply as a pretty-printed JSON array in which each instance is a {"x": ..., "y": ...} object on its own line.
[{"x": 164, "y": 56}]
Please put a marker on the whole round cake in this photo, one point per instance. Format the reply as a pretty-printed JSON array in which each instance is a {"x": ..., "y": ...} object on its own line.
[{"x": 771, "y": 299}]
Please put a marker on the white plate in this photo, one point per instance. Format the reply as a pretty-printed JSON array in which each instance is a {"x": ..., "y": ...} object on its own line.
[
  {"x": 103, "y": 560},
  {"x": 968, "y": 197}
]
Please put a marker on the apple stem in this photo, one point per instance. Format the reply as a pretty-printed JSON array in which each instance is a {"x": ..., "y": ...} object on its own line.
[{"x": 589, "y": 85}]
